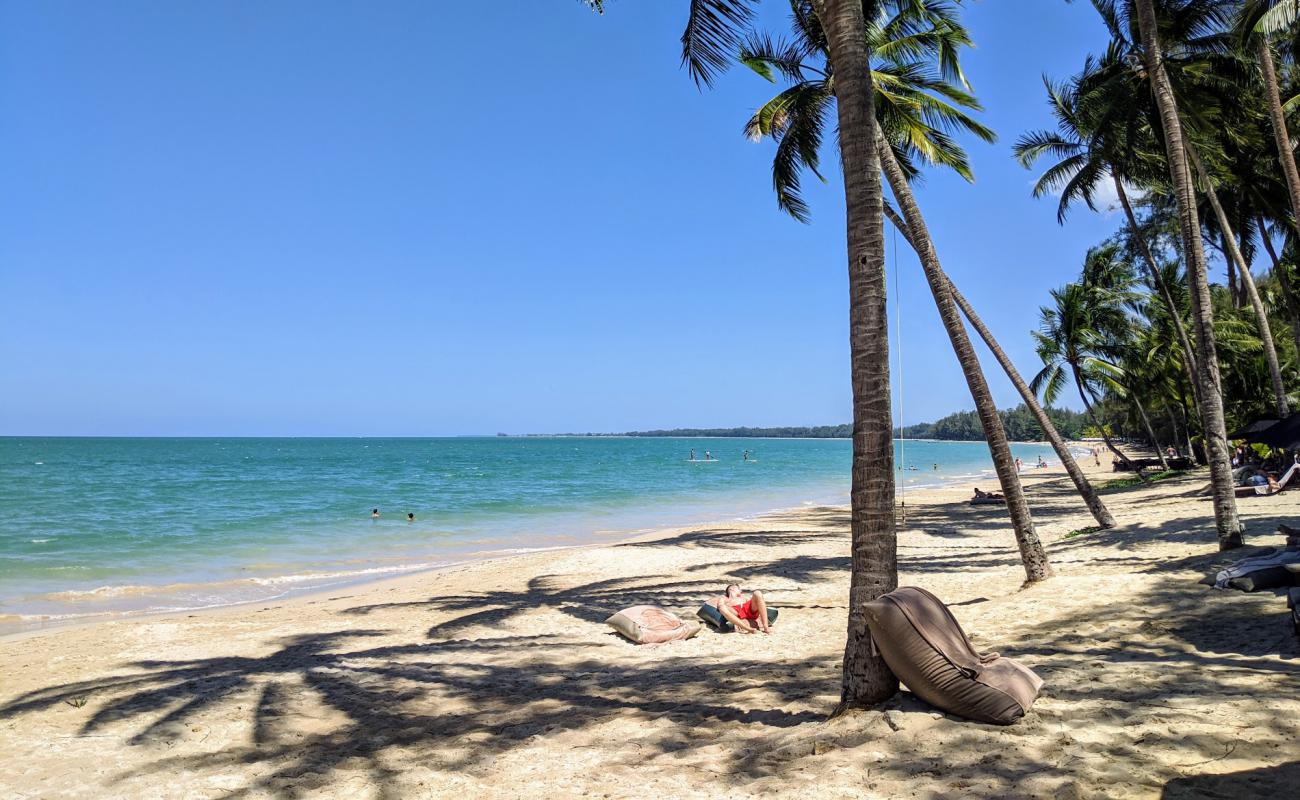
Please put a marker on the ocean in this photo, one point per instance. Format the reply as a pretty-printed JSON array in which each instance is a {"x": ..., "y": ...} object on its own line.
[{"x": 99, "y": 526}]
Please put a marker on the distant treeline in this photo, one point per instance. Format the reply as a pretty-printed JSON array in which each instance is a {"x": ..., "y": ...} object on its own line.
[
  {"x": 962, "y": 426},
  {"x": 816, "y": 432}
]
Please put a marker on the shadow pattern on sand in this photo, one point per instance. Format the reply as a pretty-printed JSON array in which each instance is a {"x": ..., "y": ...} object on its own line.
[{"x": 379, "y": 706}]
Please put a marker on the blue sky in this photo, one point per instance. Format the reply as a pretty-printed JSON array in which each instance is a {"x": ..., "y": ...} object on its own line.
[{"x": 419, "y": 218}]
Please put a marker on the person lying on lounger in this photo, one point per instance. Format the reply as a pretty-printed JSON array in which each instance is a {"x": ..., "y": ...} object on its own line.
[
  {"x": 982, "y": 495},
  {"x": 747, "y": 612}
]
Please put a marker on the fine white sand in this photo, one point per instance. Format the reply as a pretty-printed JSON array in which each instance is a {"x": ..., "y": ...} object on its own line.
[{"x": 498, "y": 679}]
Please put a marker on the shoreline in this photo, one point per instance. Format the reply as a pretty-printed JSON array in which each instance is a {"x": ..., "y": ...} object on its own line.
[{"x": 118, "y": 596}]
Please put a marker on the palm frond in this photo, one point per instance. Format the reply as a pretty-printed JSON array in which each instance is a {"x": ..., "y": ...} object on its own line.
[{"x": 714, "y": 30}]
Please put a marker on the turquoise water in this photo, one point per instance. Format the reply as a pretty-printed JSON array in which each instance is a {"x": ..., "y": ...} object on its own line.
[{"x": 103, "y": 525}]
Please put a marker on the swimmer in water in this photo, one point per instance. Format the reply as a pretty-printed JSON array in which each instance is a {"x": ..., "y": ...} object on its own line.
[
  {"x": 410, "y": 517},
  {"x": 374, "y": 513}
]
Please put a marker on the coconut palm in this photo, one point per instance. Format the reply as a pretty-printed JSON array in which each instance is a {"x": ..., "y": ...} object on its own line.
[
  {"x": 1228, "y": 524},
  {"x": 917, "y": 75},
  {"x": 1071, "y": 343},
  {"x": 1094, "y": 143},
  {"x": 713, "y": 34},
  {"x": 1261, "y": 19}
]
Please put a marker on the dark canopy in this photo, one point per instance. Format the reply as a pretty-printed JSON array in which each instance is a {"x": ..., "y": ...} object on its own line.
[
  {"x": 1253, "y": 430},
  {"x": 1284, "y": 434}
]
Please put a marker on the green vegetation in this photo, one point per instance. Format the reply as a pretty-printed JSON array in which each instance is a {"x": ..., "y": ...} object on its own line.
[
  {"x": 1132, "y": 482},
  {"x": 964, "y": 426}
]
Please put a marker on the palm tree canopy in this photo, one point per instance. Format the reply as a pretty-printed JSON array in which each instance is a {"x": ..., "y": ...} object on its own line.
[{"x": 922, "y": 96}]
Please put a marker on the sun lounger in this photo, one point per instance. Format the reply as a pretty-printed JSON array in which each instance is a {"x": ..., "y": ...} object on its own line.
[
  {"x": 988, "y": 501},
  {"x": 1265, "y": 491}
]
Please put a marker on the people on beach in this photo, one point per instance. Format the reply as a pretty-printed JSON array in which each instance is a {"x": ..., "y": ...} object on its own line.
[
  {"x": 410, "y": 516},
  {"x": 374, "y": 513},
  {"x": 747, "y": 612},
  {"x": 1041, "y": 462},
  {"x": 1020, "y": 465},
  {"x": 1096, "y": 455},
  {"x": 982, "y": 495}
]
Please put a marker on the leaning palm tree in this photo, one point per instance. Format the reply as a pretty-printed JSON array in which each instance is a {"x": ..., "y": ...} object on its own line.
[
  {"x": 1081, "y": 334},
  {"x": 920, "y": 96},
  {"x": 1094, "y": 142},
  {"x": 1261, "y": 19},
  {"x": 1227, "y": 522},
  {"x": 713, "y": 34}
]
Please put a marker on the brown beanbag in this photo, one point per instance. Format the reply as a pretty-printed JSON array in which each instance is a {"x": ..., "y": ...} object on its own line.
[
  {"x": 652, "y": 625},
  {"x": 928, "y": 651}
]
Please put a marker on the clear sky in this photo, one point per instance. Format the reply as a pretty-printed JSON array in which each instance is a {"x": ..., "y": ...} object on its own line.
[{"x": 436, "y": 218}]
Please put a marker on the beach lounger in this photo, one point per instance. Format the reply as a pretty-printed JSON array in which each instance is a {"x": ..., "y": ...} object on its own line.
[
  {"x": 1264, "y": 491},
  {"x": 1265, "y": 571},
  {"x": 988, "y": 501}
]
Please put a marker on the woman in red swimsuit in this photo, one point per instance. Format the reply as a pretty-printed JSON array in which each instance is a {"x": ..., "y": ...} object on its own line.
[{"x": 745, "y": 612}]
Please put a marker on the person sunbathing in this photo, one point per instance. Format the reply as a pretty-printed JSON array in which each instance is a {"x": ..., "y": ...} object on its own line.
[
  {"x": 982, "y": 495},
  {"x": 746, "y": 612}
]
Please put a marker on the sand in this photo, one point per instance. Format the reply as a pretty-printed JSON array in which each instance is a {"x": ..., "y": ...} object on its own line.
[{"x": 498, "y": 679}]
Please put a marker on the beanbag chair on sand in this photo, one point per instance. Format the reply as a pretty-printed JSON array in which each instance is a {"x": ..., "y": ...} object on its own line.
[
  {"x": 651, "y": 625},
  {"x": 922, "y": 643}
]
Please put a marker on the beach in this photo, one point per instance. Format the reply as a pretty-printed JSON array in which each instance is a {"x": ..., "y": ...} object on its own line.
[{"x": 498, "y": 678}]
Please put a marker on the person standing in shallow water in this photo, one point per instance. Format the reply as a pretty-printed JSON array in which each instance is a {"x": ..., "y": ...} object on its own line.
[
  {"x": 410, "y": 517},
  {"x": 374, "y": 513}
]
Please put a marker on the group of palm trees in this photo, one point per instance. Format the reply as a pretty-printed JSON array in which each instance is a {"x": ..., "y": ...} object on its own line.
[{"x": 1184, "y": 110}]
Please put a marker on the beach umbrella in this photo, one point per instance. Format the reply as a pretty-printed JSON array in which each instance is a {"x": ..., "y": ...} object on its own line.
[
  {"x": 1284, "y": 434},
  {"x": 1256, "y": 428}
]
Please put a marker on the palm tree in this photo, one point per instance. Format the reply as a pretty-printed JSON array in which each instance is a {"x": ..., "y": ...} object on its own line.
[
  {"x": 1216, "y": 434},
  {"x": 1248, "y": 282},
  {"x": 713, "y": 34},
  {"x": 1259, "y": 20},
  {"x": 1095, "y": 141},
  {"x": 1074, "y": 338},
  {"x": 1085, "y": 488},
  {"x": 918, "y": 98}
]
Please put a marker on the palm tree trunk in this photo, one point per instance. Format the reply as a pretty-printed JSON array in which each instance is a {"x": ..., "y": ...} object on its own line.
[
  {"x": 1151, "y": 433},
  {"x": 1081, "y": 482},
  {"x": 1284, "y": 281},
  {"x": 1280, "y": 135},
  {"x": 1032, "y": 554},
  {"x": 1248, "y": 282},
  {"x": 1189, "y": 355},
  {"x": 1226, "y": 521},
  {"x": 1096, "y": 423},
  {"x": 867, "y": 679}
]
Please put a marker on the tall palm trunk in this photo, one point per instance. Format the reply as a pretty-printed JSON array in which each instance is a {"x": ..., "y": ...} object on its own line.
[
  {"x": 867, "y": 679},
  {"x": 1151, "y": 432},
  {"x": 1226, "y": 521},
  {"x": 1032, "y": 554},
  {"x": 1153, "y": 269},
  {"x": 1247, "y": 281},
  {"x": 1081, "y": 482},
  {"x": 1096, "y": 423},
  {"x": 1280, "y": 135},
  {"x": 1284, "y": 281}
]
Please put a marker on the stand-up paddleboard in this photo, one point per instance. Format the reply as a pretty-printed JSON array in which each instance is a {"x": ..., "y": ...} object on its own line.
[{"x": 701, "y": 460}]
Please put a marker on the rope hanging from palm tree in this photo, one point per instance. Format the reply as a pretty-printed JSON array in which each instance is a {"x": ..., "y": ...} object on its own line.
[{"x": 902, "y": 433}]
